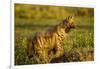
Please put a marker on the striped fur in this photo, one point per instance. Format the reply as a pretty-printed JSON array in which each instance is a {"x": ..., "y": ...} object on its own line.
[{"x": 48, "y": 45}]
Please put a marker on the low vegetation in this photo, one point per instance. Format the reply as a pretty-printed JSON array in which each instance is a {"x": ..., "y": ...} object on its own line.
[{"x": 79, "y": 43}]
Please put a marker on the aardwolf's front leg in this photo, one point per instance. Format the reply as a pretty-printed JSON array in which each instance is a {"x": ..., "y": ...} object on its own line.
[{"x": 59, "y": 50}]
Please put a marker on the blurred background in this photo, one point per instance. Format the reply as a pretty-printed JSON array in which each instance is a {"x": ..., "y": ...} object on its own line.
[
  {"x": 79, "y": 44},
  {"x": 23, "y": 11}
]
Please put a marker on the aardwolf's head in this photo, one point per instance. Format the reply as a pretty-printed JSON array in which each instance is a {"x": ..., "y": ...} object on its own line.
[{"x": 69, "y": 23}]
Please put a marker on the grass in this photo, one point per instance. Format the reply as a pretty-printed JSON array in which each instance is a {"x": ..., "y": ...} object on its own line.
[{"x": 78, "y": 45}]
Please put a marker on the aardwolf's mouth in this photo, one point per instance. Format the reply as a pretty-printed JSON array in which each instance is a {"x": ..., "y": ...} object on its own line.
[{"x": 72, "y": 25}]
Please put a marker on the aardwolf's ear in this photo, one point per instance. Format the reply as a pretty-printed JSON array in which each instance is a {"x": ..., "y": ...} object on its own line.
[{"x": 70, "y": 17}]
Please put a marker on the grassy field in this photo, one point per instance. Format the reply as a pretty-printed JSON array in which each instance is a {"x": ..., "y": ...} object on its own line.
[{"x": 78, "y": 45}]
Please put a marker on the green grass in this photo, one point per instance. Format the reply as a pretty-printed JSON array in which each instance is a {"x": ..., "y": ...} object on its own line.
[{"x": 79, "y": 44}]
